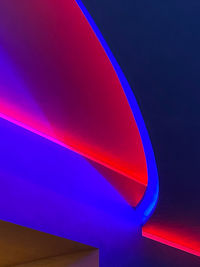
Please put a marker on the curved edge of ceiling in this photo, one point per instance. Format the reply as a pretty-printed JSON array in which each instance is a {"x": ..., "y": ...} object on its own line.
[{"x": 148, "y": 203}]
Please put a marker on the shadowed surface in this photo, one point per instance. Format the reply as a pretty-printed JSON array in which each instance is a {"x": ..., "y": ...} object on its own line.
[{"x": 20, "y": 245}]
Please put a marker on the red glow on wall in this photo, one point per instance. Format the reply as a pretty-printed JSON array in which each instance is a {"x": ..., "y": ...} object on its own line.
[{"x": 173, "y": 237}]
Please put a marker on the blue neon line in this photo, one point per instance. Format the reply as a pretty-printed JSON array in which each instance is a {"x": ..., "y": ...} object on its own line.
[{"x": 149, "y": 201}]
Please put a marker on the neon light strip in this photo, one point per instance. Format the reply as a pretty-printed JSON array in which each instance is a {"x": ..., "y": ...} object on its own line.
[{"x": 170, "y": 243}]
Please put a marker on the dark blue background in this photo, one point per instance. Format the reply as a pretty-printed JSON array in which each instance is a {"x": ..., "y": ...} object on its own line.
[{"x": 156, "y": 44}]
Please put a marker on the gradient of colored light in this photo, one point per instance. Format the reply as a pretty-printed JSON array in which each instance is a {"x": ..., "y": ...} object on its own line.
[
  {"x": 38, "y": 121},
  {"x": 69, "y": 89}
]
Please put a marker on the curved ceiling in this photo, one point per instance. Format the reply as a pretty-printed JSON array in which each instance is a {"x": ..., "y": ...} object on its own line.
[{"x": 57, "y": 80}]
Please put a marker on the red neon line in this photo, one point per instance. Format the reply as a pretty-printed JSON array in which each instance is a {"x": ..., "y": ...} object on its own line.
[
  {"x": 170, "y": 243},
  {"x": 56, "y": 141}
]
